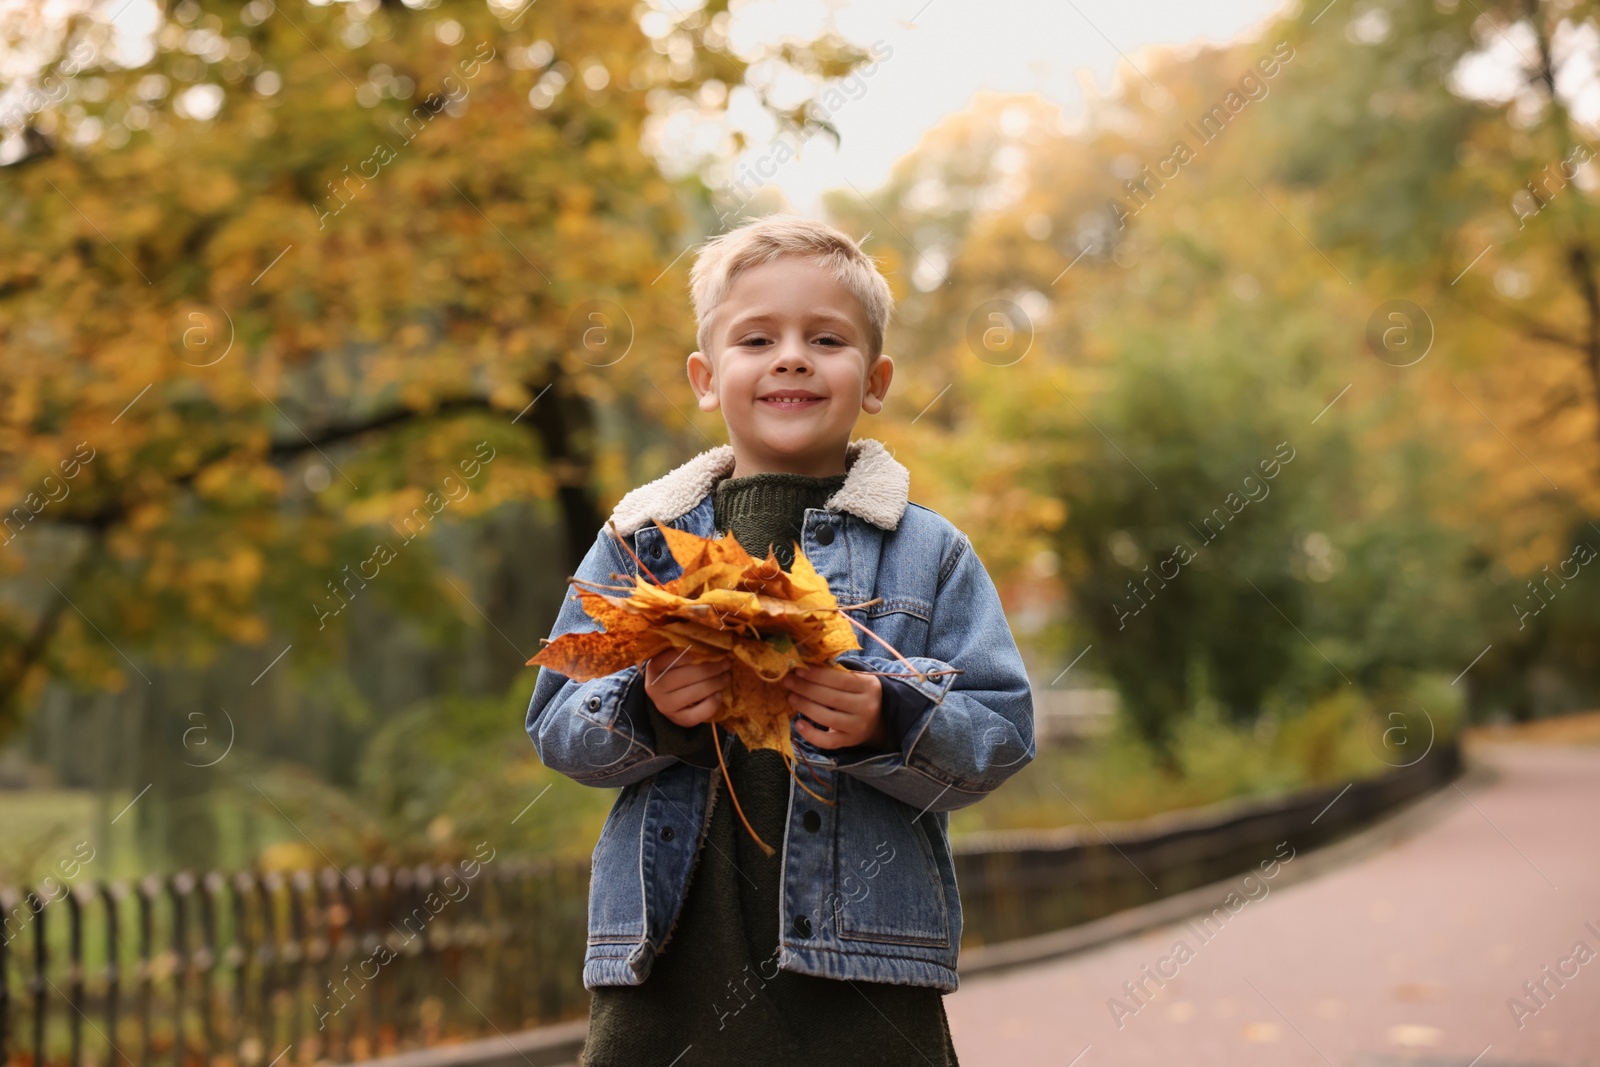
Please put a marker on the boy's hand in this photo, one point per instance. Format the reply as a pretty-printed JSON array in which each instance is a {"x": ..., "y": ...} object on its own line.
[
  {"x": 687, "y": 693},
  {"x": 838, "y": 708}
]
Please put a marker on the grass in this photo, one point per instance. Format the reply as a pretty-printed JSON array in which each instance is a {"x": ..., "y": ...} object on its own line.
[{"x": 44, "y": 828}]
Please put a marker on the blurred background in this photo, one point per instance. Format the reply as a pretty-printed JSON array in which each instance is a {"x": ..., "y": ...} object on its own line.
[{"x": 1256, "y": 348}]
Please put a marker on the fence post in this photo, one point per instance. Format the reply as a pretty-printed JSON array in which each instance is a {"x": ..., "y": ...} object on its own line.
[
  {"x": 41, "y": 956},
  {"x": 111, "y": 897},
  {"x": 147, "y": 890},
  {"x": 266, "y": 892},
  {"x": 75, "y": 970},
  {"x": 179, "y": 889},
  {"x": 380, "y": 906},
  {"x": 206, "y": 956},
  {"x": 296, "y": 951},
  {"x": 8, "y": 905}
]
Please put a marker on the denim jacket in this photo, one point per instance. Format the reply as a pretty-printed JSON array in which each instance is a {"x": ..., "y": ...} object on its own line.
[{"x": 869, "y": 886}]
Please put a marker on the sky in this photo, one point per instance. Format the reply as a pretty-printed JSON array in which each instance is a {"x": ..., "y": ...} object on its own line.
[
  {"x": 934, "y": 56},
  {"x": 940, "y": 53}
]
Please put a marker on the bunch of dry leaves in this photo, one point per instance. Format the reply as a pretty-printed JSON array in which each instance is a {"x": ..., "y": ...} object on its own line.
[{"x": 768, "y": 621}]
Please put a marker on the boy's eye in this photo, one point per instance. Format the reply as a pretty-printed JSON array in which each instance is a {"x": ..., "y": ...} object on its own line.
[{"x": 761, "y": 342}]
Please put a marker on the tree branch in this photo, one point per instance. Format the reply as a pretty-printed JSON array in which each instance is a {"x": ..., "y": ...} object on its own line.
[
  {"x": 1517, "y": 322},
  {"x": 332, "y": 435},
  {"x": 560, "y": 421}
]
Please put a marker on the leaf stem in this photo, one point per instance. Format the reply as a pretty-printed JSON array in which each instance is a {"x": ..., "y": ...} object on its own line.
[
  {"x": 768, "y": 849},
  {"x": 813, "y": 771},
  {"x": 612, "y": 526},
  {"x": 919, "y": 675}
]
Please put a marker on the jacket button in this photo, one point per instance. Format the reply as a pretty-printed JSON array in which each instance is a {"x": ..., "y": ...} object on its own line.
[
  {"x": 594, "y": 703},
  {"x": 666, "y": 833},
  {"x": 811, "y": 821},
  {"x": 802, "y": 925},
  {"x": 655, "y": 551},
  {"x": 825, "y": 534}
]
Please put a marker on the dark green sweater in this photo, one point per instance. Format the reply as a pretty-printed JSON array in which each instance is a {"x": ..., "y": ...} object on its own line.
[{"x": 714, "y": 993}]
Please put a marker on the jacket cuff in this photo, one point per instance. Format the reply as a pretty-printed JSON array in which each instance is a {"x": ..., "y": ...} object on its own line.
[
  {"x": 692, "y": 744},
  {"x": 908, "y": 705},
  {"x": 903, "y": 705},
  {"x": 631, "y": 703}
]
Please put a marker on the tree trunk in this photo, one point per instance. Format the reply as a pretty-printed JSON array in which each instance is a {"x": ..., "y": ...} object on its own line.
[{"x": 564, "y": 422}]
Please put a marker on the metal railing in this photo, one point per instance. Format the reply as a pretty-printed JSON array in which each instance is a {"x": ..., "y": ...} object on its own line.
[
  {"x": 237, "y": 971},
  {"x": 1021, "y": 883}
]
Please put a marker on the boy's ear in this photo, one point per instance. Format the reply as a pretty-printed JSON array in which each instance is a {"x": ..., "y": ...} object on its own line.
[
  {"x": 878, "y": 379},
  {"x": 702, "y": 380}
]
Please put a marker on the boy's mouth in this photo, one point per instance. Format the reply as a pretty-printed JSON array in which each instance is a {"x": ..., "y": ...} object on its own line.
[{"x": 791, "y": 399}]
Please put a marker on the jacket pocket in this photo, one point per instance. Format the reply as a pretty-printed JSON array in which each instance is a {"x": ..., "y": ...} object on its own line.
[
  {"x": 903, "y": 621},
  {"x": 616, "y": 881},
  {"x": 887, "y": 885}
]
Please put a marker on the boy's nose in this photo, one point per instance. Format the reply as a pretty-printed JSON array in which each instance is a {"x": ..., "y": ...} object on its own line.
[{"x": 792, "y": 356}]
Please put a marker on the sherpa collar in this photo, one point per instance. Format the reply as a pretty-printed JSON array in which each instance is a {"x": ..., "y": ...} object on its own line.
[{"x": 876, "y": 488}]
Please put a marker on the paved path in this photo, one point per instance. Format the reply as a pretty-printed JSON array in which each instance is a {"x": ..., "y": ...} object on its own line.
[{"x": 1406, "y": 957}]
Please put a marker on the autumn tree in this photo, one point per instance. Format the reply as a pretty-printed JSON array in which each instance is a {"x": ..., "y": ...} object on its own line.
[{"x": 297, "y": 278}]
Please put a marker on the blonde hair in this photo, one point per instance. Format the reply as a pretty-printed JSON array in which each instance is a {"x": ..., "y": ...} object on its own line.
[{"x": 725, "y": 256}]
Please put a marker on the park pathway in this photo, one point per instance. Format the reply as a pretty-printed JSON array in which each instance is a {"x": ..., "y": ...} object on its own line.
[{"x": 1408, "y": 956}]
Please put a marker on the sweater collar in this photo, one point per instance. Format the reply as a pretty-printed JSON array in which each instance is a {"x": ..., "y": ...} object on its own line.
[{"x": 876, "y": 488}]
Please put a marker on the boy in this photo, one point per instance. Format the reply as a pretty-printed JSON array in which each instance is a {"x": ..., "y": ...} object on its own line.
[{"x": 839, "y": 946}]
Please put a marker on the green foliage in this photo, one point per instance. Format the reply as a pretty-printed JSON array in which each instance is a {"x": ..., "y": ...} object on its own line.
[
  {"x": 1382, "y": 127},
  {"x": 1165, "y": 538},
  {"x": 447, "y": 773},
  {"x": 1208, "y": 760},
  {"x": 1184, "y": 325}
]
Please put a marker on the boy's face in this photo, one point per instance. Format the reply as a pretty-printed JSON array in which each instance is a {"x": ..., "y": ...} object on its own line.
[{"x": 789, "y": 328}]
